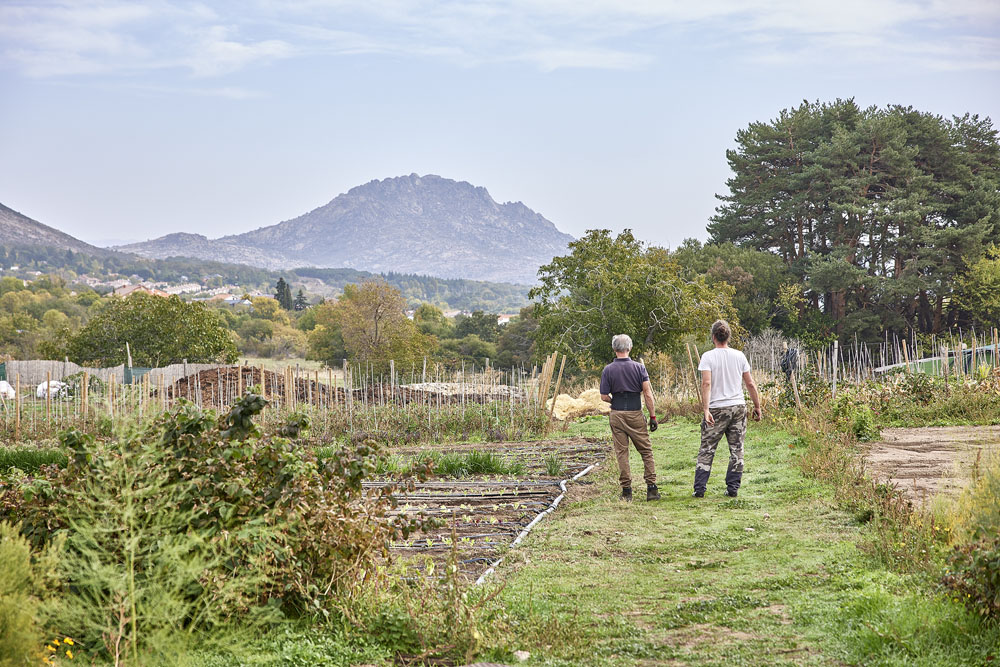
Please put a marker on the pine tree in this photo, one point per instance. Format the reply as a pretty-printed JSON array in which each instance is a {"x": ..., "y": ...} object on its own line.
[
  {"x": 300, "y": 301},
  {"x": 283, "y": 294}
]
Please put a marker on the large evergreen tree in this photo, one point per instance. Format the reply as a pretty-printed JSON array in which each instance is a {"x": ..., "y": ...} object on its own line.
[
  {"x": 283, "y": 294},
  {"x": 878, "y": 211}
]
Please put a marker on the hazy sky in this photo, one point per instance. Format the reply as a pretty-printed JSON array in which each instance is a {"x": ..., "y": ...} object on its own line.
[{"x": 129, "y": 120}]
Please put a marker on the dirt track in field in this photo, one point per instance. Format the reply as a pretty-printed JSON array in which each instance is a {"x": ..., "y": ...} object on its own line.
[{"x": 923, "y": 462}]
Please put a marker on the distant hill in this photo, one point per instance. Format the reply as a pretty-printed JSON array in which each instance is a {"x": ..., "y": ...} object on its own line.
[
  {"x": 18, "y": 230},
  {"x": 411, "y": 224}
]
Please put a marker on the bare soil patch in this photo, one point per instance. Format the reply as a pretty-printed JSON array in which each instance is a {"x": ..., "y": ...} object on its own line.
[{"x": 923, "y": 462}]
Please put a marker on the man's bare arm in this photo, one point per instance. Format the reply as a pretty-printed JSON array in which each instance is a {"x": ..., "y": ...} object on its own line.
[
  {"x": 754, "y": 395},
  {"x": 647, "y": 394},
  {"x": 706, "y": 395},
  {"x": 606, "y": 398}
]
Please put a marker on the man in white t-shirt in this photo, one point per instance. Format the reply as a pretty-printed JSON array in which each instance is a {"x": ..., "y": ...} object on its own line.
[{"x": 723, "y": 373}]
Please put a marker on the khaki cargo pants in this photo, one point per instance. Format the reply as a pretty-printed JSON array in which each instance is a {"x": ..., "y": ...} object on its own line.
[{"x": 631, "y": 425}]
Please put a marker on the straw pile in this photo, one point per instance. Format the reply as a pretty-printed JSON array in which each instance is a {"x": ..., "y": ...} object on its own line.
[{"x": 588, "y": 403}]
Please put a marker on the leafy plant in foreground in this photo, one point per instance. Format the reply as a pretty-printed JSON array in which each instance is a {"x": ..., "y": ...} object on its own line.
[{"x": 197, "y": 520}]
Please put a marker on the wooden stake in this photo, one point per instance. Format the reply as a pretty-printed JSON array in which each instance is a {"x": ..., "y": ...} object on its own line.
[
  {"x": 48, "y": 394},
  {"x": 558, "y": 383},
  {"x": 795, "y": 391},
  {"x": 694, "y": 370}
]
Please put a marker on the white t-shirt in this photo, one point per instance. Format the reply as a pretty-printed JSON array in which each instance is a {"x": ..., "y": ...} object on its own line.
[{"x": 727, "y": 366}]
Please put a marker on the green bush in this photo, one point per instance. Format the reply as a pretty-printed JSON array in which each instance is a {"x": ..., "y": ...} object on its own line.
[
  {"x": 974, "y": 565},
  {"x": 863, "y": 425},
  {"x": 974, "y": 576},
  {"x": 196, "y": 521},
  {"x": 24, "y": 582}
]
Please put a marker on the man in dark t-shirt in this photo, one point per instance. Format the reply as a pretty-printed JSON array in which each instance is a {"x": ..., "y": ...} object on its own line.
[{"x": 624, "y": 384}]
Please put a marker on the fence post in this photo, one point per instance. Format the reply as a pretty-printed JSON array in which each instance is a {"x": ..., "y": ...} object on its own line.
[{"x": 48, "y": 395}]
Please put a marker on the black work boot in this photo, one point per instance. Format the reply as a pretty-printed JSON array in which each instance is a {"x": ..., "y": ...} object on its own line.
[
  {"x": 731, "y": 493},
  {"x": 652, "y": 493},
  {"x": 698, "y": 494},
  {"x": 627, "y": 494}
]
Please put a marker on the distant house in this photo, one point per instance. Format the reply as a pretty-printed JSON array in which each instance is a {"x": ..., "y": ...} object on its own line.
[
  {"x": 505, "y": 318},
  {"x": 132, "y": 289}
]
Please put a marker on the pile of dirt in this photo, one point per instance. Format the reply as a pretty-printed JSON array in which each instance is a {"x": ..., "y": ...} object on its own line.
[
  {"x": 588, "y": 403},
  {"x": 923, "y": 462}
]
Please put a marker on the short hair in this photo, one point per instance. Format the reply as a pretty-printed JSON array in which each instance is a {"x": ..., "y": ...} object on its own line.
[
  {"x": 721, "y": 331},
  {"x": 621, "y": 343}
]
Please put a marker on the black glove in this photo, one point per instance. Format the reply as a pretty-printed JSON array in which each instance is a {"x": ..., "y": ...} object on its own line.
[{"x": 652, "y": 423}]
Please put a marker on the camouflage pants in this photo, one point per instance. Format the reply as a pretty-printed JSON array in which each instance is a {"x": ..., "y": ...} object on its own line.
[{"x": 732, "y": 423}]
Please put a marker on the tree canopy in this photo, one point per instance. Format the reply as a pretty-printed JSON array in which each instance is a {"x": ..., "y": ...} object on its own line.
[
  {"x": 877, "y": 211},
  {"x": 610, "y": 285},
  {"x": 159, "y": 331},
  {"x": 369, "y": 324}
]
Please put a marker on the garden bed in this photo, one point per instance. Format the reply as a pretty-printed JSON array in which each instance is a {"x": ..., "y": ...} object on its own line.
[
  {"x": 480, "y": 516},
  {"x": 923, "y": 462}
]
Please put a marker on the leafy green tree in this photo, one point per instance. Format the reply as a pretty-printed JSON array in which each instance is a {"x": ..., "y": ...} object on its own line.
[
  {"x": 479, "y": 323},
  {"x": 159, "y": 331},
  {"x": 757, "y": 277},
  {"x": 470, "y": 349},
  {"x": 269, "y": 309},
  {"x": 610, "y": 285},
  {"x": 877, "y": 210},
  {"x": 432, "y": 322},
  {"x": 370, "y": 323},
  {"x": 978, "y": 291},
  {"x": 516, "y": 345}
]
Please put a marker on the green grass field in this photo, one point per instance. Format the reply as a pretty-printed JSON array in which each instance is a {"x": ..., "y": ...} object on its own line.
[{"x": 772, "y": 577}]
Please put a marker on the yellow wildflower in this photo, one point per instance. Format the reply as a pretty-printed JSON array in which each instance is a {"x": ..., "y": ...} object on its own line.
[
  {"x": 67, "y": 640},
  {"x": 51, "y": 649},
  {"x": 69, "y": 654}
]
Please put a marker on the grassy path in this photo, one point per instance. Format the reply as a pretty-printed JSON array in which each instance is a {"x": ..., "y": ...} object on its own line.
[{"x": 772, "y": 577}]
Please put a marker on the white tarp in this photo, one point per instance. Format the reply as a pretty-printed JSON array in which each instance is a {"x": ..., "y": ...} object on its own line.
[
  {"x": 7, "y": 391},
  {"x": 55, "y": 388}
]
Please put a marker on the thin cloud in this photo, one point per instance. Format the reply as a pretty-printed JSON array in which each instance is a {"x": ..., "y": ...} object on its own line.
[{"x": 92, "y": 37}]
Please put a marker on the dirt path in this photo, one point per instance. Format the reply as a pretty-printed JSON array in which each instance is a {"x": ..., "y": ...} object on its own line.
[{"x": 923, "y": 462}]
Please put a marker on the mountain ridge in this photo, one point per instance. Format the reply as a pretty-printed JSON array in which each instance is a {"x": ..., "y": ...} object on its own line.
[
  {"x": 426, "y": 225},
  {"x": 17, "y": 229}
]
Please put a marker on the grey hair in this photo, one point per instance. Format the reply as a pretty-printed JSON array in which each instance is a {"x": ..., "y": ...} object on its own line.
[{"x": 621, "y": 343}]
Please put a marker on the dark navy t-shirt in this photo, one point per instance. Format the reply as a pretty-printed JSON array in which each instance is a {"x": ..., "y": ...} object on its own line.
[{"x": 623, "y": 375}]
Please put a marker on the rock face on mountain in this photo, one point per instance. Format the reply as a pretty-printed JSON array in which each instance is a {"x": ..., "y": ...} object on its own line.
[
  {"x": 411, "y": 224},
  {"x": 17, "y": 230}
]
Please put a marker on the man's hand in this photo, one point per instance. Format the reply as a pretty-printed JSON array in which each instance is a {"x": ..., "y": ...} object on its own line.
[
  {"x": 757, "y": 413},
  {"x": 652, "y": 423},
  {"x": 709, "y": 419}
]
